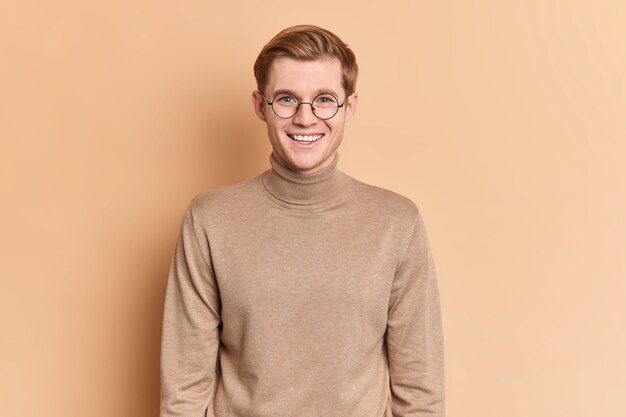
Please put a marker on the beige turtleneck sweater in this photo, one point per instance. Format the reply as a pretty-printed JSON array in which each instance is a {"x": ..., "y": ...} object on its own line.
[{"x": 294, "y": 295}]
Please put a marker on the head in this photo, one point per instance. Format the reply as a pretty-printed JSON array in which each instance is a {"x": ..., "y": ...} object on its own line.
[{"x": 306, "y": 63}]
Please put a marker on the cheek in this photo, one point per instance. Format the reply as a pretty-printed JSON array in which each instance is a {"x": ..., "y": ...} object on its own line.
[
  {"x": 276, "y": 125},
  {"x": 334, "y": 128}
]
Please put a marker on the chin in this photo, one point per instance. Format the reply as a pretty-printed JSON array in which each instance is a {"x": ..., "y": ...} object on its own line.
[{"x": 304, "y": 164}]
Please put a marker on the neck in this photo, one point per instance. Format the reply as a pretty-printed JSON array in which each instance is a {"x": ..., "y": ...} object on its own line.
[{"x": 306, "y": 190}]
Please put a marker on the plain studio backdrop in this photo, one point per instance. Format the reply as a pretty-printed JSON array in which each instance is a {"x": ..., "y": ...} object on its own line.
[{"x": 505, "y": 121}]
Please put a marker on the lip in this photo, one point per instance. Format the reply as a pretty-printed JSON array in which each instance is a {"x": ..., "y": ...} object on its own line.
[
  {"x": 305, "y": 133},
  {"x": 306, "y": 145},
  {"x": 291, "y": 135}
]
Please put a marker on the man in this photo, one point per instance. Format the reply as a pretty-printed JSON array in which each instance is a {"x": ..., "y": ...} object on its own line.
[{"x": 302, "y": 292}]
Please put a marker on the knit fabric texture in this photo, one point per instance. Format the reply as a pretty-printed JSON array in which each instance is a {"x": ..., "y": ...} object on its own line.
[{"x": 293, "y": 295}]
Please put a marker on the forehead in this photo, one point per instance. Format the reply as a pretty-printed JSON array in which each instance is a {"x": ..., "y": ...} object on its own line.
[{"x": 305, "y": 77}]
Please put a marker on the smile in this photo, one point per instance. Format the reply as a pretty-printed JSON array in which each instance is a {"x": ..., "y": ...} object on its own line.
[{"x": 305, "y": 138}]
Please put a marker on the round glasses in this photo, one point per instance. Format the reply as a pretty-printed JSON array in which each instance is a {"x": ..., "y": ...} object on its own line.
[{"x": 286, "y": 105}]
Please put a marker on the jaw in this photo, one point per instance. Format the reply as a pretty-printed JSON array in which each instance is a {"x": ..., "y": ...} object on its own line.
[
  {"x": 306, "y": 157},
  {"x": 309, "y": 158}
]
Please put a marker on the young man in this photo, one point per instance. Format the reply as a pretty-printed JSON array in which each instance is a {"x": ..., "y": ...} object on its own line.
[{"x": 302, "y": 292}]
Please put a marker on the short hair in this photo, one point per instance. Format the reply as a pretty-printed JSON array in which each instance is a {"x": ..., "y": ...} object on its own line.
[{"x": 307, "y": 43}]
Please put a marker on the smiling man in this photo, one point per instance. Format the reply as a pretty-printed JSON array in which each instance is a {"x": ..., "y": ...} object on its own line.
[
  {"x": 302, "y": 292},
  {"x": 304, "y": 135}
]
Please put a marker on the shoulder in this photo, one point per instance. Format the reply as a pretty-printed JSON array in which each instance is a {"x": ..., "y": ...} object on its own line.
[
  {"x": 222, "y": 201},
  {"x": 386, "y": 202},
  {"x": 400, "y": 215}
]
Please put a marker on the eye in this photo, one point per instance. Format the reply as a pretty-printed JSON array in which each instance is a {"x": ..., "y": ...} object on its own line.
[
  {"x": 325, "y": 100},
  {"x": 285, "y": 99}
]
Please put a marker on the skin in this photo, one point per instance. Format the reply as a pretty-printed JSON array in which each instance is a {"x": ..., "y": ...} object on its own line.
[{"x": 305, "y": 79}]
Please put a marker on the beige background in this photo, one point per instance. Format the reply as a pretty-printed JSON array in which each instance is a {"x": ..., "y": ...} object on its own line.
[{"x": 503, "y": 120}]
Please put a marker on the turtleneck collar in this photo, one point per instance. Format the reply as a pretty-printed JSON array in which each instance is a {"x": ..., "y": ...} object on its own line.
[{"x": 304, "y": 191}]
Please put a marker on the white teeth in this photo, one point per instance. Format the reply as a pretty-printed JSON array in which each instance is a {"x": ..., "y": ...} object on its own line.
[{"x": 306, "y": 138}]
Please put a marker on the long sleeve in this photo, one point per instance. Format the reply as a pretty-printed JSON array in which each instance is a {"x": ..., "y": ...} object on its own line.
[
  {"x": 190, "y": 332},
  {"x": 414, "y": 334}
]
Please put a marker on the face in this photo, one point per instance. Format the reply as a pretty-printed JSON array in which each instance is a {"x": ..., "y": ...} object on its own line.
[{"x": 305, "y": 80}]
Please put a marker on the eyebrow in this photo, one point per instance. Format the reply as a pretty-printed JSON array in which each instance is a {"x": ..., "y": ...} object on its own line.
[{"x": 317, "y": 92}]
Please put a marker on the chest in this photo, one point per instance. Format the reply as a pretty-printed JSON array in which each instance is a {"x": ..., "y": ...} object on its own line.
[{"x": 303, "y": 269}]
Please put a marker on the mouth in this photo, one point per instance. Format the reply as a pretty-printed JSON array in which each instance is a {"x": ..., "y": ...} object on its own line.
[{"x": 305, "y": 139}]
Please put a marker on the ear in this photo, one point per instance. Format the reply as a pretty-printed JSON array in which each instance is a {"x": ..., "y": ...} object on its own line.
[
  {"x": 351, "y": 102},
  {"x": 258, "y": 102}
]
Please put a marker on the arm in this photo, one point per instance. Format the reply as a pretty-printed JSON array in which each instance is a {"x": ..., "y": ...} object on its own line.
[
  {"x": 414, "y": 335},
  {"x": 190, "y": 334}
]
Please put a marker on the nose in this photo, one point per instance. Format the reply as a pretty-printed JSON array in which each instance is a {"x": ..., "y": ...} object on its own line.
[{"x": 305, "y": 116}]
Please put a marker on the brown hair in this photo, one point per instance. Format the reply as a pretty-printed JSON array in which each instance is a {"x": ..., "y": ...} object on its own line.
[{"x": 307, "y": 43}]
